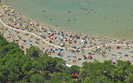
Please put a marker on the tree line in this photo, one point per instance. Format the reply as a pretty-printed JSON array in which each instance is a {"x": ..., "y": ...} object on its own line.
[{"x": 37, "y": 67}]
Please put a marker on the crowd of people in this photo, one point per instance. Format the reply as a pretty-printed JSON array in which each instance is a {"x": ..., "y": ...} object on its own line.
[{"x": 74, "y": 48}]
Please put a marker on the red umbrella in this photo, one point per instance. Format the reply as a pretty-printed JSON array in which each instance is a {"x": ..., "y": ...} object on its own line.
[
  {"x": 52, "y": 38},
  {"x": 90, "y": 56},
  {"x": 118, "y": 47},
  {"x": 51, "y": 35},
  {"x": 74, "y": 75}
]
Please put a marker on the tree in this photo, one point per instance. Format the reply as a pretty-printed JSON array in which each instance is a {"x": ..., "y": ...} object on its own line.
[
  {"x": 2, "y": 41},
  {"x": 17, "y": 67},
  {"x": 129, "y": 79},
  {"x": 37, "y": 78},
  {"x": 33, "y": 52},
  {"x": 73, "y": 69},
  {"x": 56, "y": 78},
  {"x": 119, "y": 73}
]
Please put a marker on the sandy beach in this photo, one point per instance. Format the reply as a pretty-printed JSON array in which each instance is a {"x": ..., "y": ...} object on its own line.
[{"x": 74, "y": 48}]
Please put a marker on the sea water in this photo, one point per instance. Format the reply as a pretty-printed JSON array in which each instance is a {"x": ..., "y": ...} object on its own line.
[{"x": 112, "y": 18}]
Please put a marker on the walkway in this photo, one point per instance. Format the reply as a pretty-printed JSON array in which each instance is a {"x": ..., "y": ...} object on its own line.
[
  {"x": 30, "y": 33},
  {"x": 54, "y": 44}
]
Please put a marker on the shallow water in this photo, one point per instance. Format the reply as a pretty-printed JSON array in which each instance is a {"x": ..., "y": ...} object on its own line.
[{"x": 112, "y": 18}]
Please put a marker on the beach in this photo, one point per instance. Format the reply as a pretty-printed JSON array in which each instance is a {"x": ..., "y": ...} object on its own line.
[{"x": 74, "y": 48}]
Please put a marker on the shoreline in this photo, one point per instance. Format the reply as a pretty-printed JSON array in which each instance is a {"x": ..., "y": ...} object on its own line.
[
  {"x": 67, "y": 31},
  {"x": 102, "y": 37},
  {"x": 94, "y": 46}
]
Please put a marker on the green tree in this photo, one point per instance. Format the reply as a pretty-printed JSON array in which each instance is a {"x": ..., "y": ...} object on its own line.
[
  {"x": 56, "y": 78},
  {"x": 33, "y": 52},
  {"x": 37, "y": 78},
  {"x": 17, "y": 67},
  {"x": 129, "y": 79},
  {"x": 2, "y": 41},
  {"x": 119, "y": 73}
]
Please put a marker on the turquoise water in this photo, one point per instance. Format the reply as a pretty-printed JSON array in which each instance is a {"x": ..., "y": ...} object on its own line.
[{"x": 112, "y": 18}]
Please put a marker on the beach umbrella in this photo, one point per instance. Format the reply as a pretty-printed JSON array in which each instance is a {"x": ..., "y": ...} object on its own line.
[
  {"x": 4, "y": 6},
  {"x": 69, "y": 56},
  {"x": 52, "y": 38},
  {"x": 49, "y": 53},
  {"x": 22, "y": 47},
  {"x": 89, "y": 53},
  {"x": 12, "y": 11},
  {"x": 9, "y": 37},
  {"x": 109, "y": 48},
  {"x": 30, "y": 23},
  {"x": 61, "y": 55},
  {"x": 24, "y": 40},
  {"x": 90, "y": 56},
  {"x": 126, "y": 55},
  {"x": 79, "y": 58},
  {"x": 44, "y": 36},
  {"x": 51, "y": 35},
  {"x": 74, "y": 61},
  {"x": 94, "y": 60},
  {"x": 118, "y": 47},
  {"x": 113, "y": 62},
  {"x": 6, "y": 9},
  {"x": 48, "y": 32}
]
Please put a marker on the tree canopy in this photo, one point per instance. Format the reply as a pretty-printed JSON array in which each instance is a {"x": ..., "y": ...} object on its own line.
[{"x": 35, "y": 67}]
